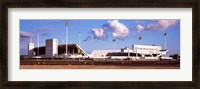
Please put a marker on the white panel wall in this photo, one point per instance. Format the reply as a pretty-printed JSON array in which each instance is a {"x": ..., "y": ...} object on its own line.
[
  {"x": 30, "y": 49},
  {"x": 55, "y": 47},
  {"x": 146, "y": 49}
]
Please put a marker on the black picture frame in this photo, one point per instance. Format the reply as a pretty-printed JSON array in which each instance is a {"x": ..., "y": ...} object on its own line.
[{"x": 194, "y": 4}]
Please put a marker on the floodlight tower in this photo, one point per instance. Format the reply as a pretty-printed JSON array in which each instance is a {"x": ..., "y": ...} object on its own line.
[
  {"x": 114, "y": 44},
  {"x": 165, "y": 35},
  {"x": 66, "y": 39},
  {"x": 140, "y": 38},
  {"x": 38, "y": 39}
]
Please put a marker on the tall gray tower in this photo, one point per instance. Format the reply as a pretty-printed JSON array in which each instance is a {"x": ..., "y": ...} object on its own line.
[{"x": 51, "y": 47}]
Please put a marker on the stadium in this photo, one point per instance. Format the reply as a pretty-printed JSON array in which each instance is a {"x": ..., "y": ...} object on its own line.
[{"x": 53, "y": 50}]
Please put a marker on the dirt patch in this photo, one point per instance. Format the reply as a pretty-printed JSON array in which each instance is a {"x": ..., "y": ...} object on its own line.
[{"x": 96, "y": 67}]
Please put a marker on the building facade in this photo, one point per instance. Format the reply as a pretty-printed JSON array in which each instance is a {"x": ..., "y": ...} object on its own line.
[
  {"x": 30, "y": 49},
  {"x": 147, "y": 50},
  {"x": 51, "y": 47}
]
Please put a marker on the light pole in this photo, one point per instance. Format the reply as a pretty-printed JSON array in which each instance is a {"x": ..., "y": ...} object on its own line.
[
  {"x": 38, "y": 37},
  {"x": 114, "y": 44},
  {"x": 66, "y": 35},
  {"x": 140, "y": 38},
  {"x": 165, "y": 35}
]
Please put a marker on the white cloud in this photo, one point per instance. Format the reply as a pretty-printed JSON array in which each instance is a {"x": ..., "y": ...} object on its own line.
[
  {"x": 139, "y": 28},
  {"x": 161, "y": 25},
  {"x": 120, "y": 30},
  {"x": 117, "y": 30},
  {"x": 25, "y": 34},
  {"x": 98, "y": 33}
]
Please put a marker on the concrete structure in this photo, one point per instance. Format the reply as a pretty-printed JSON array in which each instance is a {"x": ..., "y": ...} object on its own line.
[
  {"x": 51, "y": 47},
  {"x": 30, "y": 49},
  {"x": 126, "y": 50},
  {"x": 74, "y": 51},
  {"x": 53, "y": 50},
  {"x": 137, "y": 52},
  {"x": 101, "y": 53},
  {"x": 147, "y": 50}
]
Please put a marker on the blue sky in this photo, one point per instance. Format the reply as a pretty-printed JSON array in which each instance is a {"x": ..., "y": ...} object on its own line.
[{"x": 98, "y": 34}]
